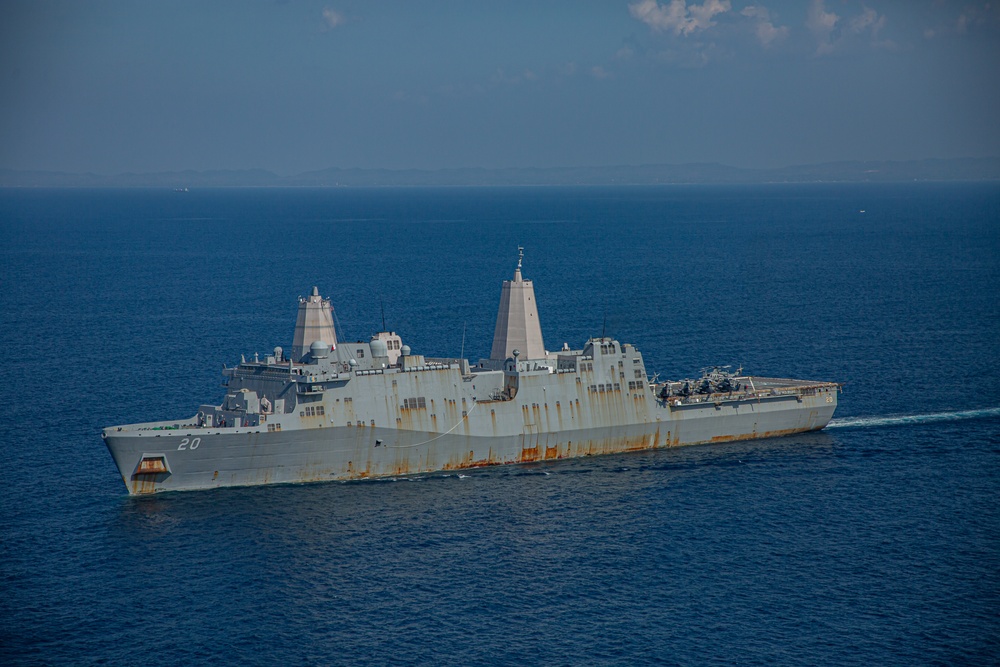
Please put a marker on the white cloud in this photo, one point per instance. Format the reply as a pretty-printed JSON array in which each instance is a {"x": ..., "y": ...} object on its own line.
[
  {"x": 868, "y": 19},
  {"x": 822, "y": 24},
  {"x": 599, "y": 72},
  {"x": 624, "y": 53},
  {"x": 765, "y": 30},
  {"x": 701, "y": 15},
  {"x": 676, "y": 16},
  {"x": 820, "y": 20},
  {"x": 631, "y": 47},
  {"x": 972, "y": 17},
  {"x": 566, "y": 69},
  {"x": 671, "y": 17},
  {"x": 832, "y": 33},
  {"x": 333, "y": 18},
  {"x": 500, "y": 76}
]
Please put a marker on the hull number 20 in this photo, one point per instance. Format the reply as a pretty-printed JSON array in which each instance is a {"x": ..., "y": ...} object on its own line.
[{"x": 189, "y": 443}]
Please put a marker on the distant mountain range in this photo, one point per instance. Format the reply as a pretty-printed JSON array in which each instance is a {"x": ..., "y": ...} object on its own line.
[{"x": 961, "y": 169}]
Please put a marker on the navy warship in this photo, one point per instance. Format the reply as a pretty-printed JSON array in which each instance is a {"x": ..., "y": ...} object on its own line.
[{"x": 332, "y": 410}]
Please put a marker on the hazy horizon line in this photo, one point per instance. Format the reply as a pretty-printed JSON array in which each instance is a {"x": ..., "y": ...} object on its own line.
[{"x": 622, "y": 165}]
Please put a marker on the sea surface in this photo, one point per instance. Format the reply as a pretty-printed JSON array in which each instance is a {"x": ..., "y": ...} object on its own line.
[{"x": 875, "y": 541}]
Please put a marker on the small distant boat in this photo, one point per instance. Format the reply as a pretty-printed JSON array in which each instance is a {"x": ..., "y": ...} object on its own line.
[{"x": 185, "y": 190}]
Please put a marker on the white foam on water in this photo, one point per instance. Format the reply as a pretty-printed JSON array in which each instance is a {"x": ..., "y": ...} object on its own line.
[{"x": 903, "y": 420}]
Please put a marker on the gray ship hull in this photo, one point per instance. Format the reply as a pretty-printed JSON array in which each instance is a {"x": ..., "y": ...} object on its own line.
[
  {"x": 341, "y": 411},
  {"x": 157, "y": 457}
]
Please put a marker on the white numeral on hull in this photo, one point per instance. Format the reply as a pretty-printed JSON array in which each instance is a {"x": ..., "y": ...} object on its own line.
[{"x": 189, "y": 443}]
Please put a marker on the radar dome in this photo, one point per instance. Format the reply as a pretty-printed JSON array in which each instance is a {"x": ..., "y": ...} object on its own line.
[
  {"x": 379, "y": 348},
  {"x": 405, "y": 350},
  {"x": 319, "y": 350}
]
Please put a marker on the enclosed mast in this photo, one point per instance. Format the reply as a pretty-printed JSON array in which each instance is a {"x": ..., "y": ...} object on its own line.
[
  {"x": 517, "y": 326},
  {"x": 313, "y": 323}
]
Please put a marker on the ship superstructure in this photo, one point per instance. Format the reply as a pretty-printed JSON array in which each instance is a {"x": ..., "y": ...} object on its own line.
[{"x": 334, "y": 410}]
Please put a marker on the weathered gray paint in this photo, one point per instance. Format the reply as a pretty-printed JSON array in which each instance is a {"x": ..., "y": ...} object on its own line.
[{"x": 353, "y": 415}]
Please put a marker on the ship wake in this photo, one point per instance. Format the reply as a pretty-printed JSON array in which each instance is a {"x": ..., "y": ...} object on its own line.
[{"x": 905, "y": 420}]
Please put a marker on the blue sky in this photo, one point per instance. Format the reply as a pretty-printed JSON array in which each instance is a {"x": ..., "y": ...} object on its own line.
[{"x": 110, "y": 86}]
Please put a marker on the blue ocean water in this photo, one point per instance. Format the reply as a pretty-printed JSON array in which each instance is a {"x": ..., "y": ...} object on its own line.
[{"x": 874, "y": 541}]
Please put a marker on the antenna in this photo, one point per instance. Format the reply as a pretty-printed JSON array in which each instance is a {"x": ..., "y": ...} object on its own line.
[
  {"x": 604, "y": 326},
  {"x": 336, "y": 323},
  {"x": 520, "y": 256},
  {"x": 462, "y": 356},
  {"x": 381, "y": 302}
]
